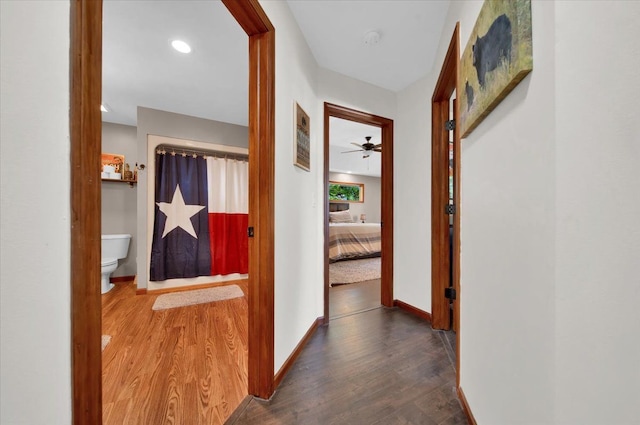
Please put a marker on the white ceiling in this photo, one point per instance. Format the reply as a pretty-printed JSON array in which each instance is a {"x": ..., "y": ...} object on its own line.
[
  {"x": 141, "y": 69},
  {"x": 409, "y": 36}
]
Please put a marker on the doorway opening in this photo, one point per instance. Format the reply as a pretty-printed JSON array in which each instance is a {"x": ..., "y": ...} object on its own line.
[
  {"x": 386, "y": 195},
  {"x": 85, "y": 146},
  {"x": 445, "y": 199},
  {"x": 355, "y": 159}
]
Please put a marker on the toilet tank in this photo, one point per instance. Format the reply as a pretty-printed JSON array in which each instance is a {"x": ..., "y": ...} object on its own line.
[{"x": 115, "y": 246}]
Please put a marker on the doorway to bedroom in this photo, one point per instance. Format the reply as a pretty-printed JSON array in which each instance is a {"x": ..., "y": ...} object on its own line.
[{"x": 358, "y": 177}]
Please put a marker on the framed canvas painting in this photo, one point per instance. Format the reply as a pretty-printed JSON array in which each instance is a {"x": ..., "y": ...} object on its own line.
[{"x": 497, "y": 57}]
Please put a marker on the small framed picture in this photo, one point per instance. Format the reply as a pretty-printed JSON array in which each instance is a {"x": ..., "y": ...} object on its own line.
[
  {"x": 114, "y": 160},
  {"x": 301, "y": 141}
]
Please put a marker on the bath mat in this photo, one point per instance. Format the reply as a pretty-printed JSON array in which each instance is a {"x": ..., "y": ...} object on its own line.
[
  {"x": 198, "y": 296},
  {"x": 105, "y": 340},
  {"x": 352, "y": 271}
]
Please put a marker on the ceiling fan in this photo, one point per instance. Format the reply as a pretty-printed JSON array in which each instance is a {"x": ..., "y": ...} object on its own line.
[{"x": 366, "y": 147}]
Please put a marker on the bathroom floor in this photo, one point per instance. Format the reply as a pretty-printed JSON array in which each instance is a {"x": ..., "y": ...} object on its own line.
[{"x": 182, "y": 365}]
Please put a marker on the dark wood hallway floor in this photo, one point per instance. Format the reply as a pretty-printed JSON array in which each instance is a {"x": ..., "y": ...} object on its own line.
[{"x": 381, "y": 366}]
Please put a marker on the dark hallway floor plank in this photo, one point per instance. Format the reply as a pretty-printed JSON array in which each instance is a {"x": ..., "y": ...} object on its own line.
[
  {"x": 382, "y": 366},
  {"x": 354, "y": 297}
]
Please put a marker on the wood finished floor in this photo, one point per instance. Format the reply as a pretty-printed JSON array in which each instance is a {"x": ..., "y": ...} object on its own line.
[
  {"x": 184, "y": 365},
  {"x": 381, "y": 366},
  {"x": 353, "y": 297}
]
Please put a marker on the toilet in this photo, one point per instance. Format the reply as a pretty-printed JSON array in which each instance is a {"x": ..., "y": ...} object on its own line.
[{"x": 114, "y": 248}]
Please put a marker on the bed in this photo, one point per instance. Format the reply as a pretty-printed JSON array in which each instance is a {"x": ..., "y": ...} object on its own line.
[{"x": 349, "y": 240}]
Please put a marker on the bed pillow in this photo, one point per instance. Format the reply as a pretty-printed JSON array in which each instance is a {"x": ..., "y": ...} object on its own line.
[{"x": 340, "y": 217}]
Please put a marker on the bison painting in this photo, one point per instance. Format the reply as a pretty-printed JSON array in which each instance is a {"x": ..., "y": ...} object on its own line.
[{"x": 493, "y": 47}]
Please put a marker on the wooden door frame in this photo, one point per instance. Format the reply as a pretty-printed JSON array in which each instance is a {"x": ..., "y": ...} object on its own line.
[
  {"x": 85, "y": 147},
  {"x": 447, "y": 82},
  {"x": 386, "y": 186}
]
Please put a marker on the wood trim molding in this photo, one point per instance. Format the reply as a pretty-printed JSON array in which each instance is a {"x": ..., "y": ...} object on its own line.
[
  {"x": 141, "y": 291},
  {"x": 413, "y": 310},
  {"x": 261, "y": 32},
  {"x": 121, "y": 279},
  {"x": 440, "y": 260},
  {"x": 386, "y": 188},
  {"x": 465, "y": 406},
  {"x": 296, "y": 352},
  {"x": 250, "y": 15},
  {"x": 192, "y": 287},
  {"x": 85, "y": 122}
]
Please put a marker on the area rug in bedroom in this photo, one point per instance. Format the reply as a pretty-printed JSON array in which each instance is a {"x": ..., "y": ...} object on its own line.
[
  {"x": 197, "y": 296},
  {"x": 353, "y": 271}
]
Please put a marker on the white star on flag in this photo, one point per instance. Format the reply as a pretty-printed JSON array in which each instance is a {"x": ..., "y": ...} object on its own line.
[{"x": 178, "y": 214}]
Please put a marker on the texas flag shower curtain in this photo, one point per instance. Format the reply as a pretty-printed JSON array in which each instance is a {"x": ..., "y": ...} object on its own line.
[{"x": 201, "y": 217}]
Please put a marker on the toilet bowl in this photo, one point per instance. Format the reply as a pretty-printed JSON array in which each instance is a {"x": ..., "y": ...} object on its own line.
[{"x": 114, "y": 248}]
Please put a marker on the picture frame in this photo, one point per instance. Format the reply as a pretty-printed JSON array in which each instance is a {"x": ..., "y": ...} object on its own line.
[
  {"x": 114, "y": 160},
  {"x": 498, "y": 55},
  {"x": 301, "y": 139}
]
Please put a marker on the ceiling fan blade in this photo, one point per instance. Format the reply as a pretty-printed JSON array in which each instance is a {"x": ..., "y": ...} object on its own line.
[
  {"x": 377, "y": 149},
  {"x": 355, "y": 144},
  {"x": 359, "y": 150},
  {"x": 379, "y": 145}
]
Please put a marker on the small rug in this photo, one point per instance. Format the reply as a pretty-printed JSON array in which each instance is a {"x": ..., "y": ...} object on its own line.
[
  {"x": 198, "y": 296},
  {"x": 352, "y": 271},
  {"x": 105, "y": 340}
]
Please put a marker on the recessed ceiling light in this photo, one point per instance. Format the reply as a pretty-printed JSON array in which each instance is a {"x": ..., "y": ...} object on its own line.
[{"x": 181, "y": 46}]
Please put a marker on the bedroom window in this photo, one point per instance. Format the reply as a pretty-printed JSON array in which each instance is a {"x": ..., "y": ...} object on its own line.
[{"x": 346, "y": 192}]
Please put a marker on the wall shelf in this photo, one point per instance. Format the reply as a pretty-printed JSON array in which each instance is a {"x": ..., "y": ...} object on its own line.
[{"x": 131, "y": 182}]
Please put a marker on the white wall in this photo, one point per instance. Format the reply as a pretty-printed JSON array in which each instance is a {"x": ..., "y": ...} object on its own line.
[
  {"x": 119, "y": 199},
  {"x": 346, "y": 91},
  {"x": 412, "y": 189},
  {"x": 507, "y": 269},
  {"x": 35, "y": 324},
  {"x": 298, "y": 194},
  {"x": 169, "y": 124},
  {"x": 372, "y": 201},
  {"x": 598, "y": 209}
]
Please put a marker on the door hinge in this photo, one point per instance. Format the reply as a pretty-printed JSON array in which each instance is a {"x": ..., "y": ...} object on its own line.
[
  {"x": 450, "y": 293},
  {"x": 450, "y": 209},
  {"x": 450, "y": 125},
  {"x": 250, "y": 232}
]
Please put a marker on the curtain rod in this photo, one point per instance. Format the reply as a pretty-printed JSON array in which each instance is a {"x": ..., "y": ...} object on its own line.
[{"x": 166, "y": 149}]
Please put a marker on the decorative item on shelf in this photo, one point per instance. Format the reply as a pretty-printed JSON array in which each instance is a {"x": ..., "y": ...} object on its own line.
[
  {"x": 112, "y": 163},
  {"x": 128, "y": 174},
  {"x": 116, "y": 170},
  {"x": 363, "y": 217}
]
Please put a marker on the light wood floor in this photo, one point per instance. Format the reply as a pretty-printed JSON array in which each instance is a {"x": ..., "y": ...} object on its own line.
[{"x": 185, "y": 365}]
